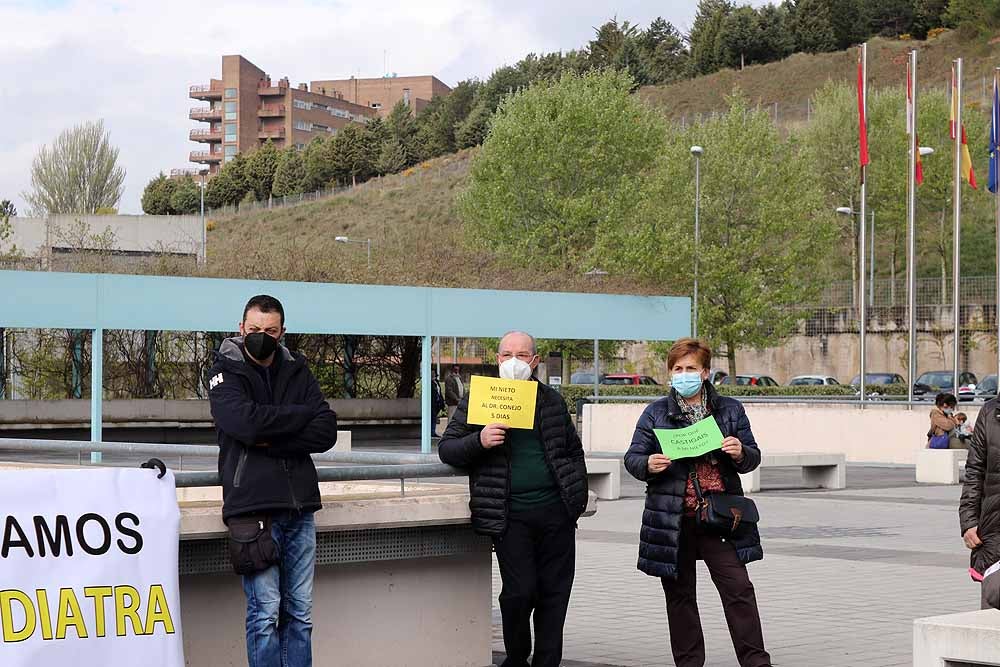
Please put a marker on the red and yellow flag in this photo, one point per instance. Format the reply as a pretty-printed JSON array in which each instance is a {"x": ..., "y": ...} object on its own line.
[
  {"x": 862, "y": 121},
  {"x": 911, "y": 123},
  {"x": 968, "y": 173}
]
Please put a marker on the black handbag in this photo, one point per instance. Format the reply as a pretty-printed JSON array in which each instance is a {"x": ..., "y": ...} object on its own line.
[
  {"x": 251, "y": 547},
  {"x": 722, "y": 513}
]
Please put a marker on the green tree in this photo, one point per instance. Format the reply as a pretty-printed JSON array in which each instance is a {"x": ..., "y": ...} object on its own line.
[
  {"x": 260, "y": 167},
  {"x": 437, "y": 122},
  {"x": 319, "y": 169},
  {"x": 229, "y": 186},
  {"x": 562, "y": 160},
  {"x": 78, "y": 173},
  {"x": 891, "y": 18},
  {"x": 472, "y": 131},
  {"x": 290, "y": 175},
  {"x": 777, "y": 41},
  {"x": 930, "y": 14},
  {"x": 850, "y": 22},
  {"x": 741, "y": 38},
  {"x": 704, "y": 36},
  {"x": 666, "y": 56},
  {"x": 156, "y": 195},
  {"x": 812, "y": 26},
  {"x": 7, "y": 210},
  {"x": 765, "y": 233},
  {"x": 403, "y": 129},
  {"x": 350, "y": 155},
  {"x": 974, "y": 16},
  {"x": 391, "y": 158},
  {"x": 186, "y": 198}
]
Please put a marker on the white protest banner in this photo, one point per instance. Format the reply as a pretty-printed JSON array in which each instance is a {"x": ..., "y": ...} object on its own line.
[{"x": 88, "y": 568}]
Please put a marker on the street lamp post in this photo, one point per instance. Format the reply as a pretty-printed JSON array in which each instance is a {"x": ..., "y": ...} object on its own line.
[
  {"x": 846, "y": 210},
  {"x": 697, "y": 152},
  {"x": 366, "y": 242}
]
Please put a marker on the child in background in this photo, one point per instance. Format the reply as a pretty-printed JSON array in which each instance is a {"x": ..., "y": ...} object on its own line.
[{"x": 964, "y": 428}]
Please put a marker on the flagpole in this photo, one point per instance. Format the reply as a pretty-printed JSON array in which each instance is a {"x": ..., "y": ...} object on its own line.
[
  {"x": 911, "y": 228},
  {"x": 996, "y": 200},
  {"x": 862, "y": 245},
  {"x": 956, "y": 270}
]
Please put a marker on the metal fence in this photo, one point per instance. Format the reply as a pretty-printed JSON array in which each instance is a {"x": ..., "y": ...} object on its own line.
[
  {"x": 884, "y": 292},
  {"x": 276, "y": 202}
]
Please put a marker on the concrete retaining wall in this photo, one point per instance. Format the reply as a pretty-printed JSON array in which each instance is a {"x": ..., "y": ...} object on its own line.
[{"x": 882, "y": 434}]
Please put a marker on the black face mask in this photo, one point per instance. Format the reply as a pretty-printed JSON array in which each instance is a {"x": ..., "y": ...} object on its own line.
[{"x": 259, "y": 345}]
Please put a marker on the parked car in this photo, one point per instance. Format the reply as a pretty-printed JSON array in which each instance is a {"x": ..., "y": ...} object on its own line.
[
  {"x": 583, "y": 378},
  {"x": 627, "y": 379},
  {"x": 987, "y": 387},
  {"x": 935, "y": 382},
  {"x": 716, "y": 376},
  {"x": 872, "y": 379},
  {"x": 751, "y": 380},
  {"x": 812, "y": 380}
]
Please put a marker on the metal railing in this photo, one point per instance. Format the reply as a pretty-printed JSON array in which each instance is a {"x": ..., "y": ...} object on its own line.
[
  {"x": 360, "y": 465},
  {"x": 871, "y": 399}
]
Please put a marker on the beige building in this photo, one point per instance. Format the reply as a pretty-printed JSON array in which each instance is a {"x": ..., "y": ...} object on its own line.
[
  {"x": 383, "y": 93},
  {"x": 246, "y": 108}
]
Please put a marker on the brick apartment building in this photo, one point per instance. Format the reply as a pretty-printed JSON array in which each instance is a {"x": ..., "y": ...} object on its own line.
[
  {"x": 384, "y": 93},
  {"x": 246, "y": 108}
]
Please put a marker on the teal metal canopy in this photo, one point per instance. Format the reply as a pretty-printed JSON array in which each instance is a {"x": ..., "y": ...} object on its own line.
[{"x": 113, "y": 301}]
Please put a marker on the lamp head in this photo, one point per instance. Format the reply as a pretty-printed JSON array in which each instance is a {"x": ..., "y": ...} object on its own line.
[{"x": 697, "y": 151}]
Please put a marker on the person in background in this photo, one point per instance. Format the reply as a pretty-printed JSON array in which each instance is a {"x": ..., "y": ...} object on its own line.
[
  {"x": 437, "y": 405},
  {"x": 527, "y": 490},
  {"x": 942, "y": 421},
  {"x": 454, "y": 390}
]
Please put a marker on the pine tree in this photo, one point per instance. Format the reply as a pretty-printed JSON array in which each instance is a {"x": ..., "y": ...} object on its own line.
[
  {"x": 290, "y": 174},
  {"x": 260, "y": 168}
]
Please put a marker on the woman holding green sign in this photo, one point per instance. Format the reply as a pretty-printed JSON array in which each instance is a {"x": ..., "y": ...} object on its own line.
[{"x": 690, "y": 448}]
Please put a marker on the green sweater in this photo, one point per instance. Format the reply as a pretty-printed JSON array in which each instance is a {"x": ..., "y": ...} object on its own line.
[{"x": 531, "y": 481}]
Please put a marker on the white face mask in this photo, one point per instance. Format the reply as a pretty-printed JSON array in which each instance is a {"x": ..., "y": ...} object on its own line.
[{"x": 515, "y": 369}]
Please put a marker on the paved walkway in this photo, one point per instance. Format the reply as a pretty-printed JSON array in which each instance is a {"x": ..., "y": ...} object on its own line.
[{"x": 844, "y": 575}]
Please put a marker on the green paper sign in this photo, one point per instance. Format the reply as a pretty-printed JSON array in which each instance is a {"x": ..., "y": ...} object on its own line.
[{"x": 684, "y": 443}]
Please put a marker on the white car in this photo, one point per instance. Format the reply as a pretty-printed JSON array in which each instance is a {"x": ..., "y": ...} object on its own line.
[{"x": 812, "y": 380}]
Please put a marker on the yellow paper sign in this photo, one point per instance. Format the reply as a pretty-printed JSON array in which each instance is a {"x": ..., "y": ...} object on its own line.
[{"x": 497, "y": 401}]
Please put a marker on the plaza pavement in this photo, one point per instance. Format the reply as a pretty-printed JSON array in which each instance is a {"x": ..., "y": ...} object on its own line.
[{"x": 844, "y": 575}]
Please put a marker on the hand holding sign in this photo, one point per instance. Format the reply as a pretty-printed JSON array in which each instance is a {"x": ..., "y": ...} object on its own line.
[
  {"x": 683, "y": 443},
  {"x": 493, "y": 401}
]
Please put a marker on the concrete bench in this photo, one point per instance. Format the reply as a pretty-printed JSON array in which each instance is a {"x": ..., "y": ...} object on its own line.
[
  {"x": 940, "y": 466},
  {"x": 826, "y": 471},
  {"x": 604, "y": 475},
  {"x": 957, "y": 640}
]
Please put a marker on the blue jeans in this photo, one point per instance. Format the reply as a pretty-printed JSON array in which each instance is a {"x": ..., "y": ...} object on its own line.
[{"x": 279, "y": 599}]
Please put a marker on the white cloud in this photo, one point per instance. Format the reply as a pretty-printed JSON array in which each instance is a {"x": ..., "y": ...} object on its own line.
[{"x": 131, "y": 61}]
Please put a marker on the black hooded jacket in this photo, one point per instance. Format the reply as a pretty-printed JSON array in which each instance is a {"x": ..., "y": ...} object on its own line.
[
  {"x": 659, "y": 538},
  {"x": 489, "y": 469},
  {"x": 264, "y": 444}
]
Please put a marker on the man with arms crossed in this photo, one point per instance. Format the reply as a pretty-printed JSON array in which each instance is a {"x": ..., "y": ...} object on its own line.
[{"x": 270, "y": 415}]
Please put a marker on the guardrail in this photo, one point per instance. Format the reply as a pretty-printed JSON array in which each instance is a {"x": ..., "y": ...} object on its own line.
[
  {"x": 373, "y": 465},
  {"x": 830, "y": 400}
]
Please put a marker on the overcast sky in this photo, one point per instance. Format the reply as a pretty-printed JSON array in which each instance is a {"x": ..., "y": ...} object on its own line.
[{"x": 130, "y": 62}]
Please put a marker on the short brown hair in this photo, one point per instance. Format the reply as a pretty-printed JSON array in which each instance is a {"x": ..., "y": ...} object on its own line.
[{"x": 686, "y": 346}]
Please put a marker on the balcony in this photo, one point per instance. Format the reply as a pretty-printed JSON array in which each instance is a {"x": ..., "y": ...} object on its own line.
[
  {"x": 271, "y": 111},
  {"x": 272, "y": 90},
  {"x": 205, "y": 92},
  {"x": 205, "y": 135},
  {"x": 205, "y": 156},
  {"x": 271, "y": 133},
  {"x": 205, "y": 113}
]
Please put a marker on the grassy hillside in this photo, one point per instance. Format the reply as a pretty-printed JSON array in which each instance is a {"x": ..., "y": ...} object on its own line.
[
  {"x": 417, "y": 239},
  {"x": 791, "y": 82}
]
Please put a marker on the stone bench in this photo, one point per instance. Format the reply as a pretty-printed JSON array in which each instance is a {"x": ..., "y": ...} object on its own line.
[
  {"x": 940, "y": 466},
  {"x": 604, "y": 475},
  {"x": 826, "y": 471},
  {"x": 969, "y": 639}
]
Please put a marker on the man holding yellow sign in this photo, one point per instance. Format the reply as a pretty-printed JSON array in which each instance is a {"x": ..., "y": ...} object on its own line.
[{"x": 528, "y": 486}]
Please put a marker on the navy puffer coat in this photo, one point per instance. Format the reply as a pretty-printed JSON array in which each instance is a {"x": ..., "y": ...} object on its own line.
[{"x": 660, "y": 537}]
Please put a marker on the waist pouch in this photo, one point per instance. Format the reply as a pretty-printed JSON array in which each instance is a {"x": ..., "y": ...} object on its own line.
[
  {"x": 722, "y": 513},
  {"x": 251, "y": 546}
]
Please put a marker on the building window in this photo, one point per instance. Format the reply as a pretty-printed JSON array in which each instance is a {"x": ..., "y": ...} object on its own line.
[
  {"x": 230, "y": 131},
  {"x": 302, "y": 125},
  {"x": 340, "y": 113},
  {"x": 301, "y": 104},
  {"x": 230, "y": 110},
  {"x": 301, "y": 147},
  {"x": 321, "y": 107},
  {"x": 320, "y": 128},
  {"x": 376, "y": 105},
  {"x": 406, "y": 96},
  {"x": 228, "y": 158},
  {"x": 230, "y": 151},
  {"x": 230, "y": 93}
]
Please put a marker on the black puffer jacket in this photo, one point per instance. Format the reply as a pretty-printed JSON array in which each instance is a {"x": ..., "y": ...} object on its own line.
[
  {"x": 298, "y": 421},
  {"x": 980, "y": 504},
  {"x": 659, "y": 538},
  {"x": 489, "y": 469}
]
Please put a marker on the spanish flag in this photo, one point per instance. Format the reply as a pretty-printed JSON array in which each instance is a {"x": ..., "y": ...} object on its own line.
[
  {"x": 863, "y": 158},
  {"x": 911, "y": 124},
  {"x": 968, "y": 173}
]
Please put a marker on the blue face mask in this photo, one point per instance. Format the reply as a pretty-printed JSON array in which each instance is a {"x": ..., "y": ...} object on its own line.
[{"x": 686, "y": 384}]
